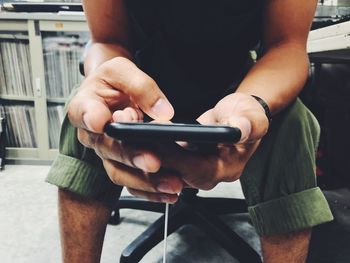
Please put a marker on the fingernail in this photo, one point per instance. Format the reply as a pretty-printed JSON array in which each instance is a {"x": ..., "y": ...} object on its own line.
[
  {"x": 140, "y": 162},
  {"x": 163, "y": 109}
]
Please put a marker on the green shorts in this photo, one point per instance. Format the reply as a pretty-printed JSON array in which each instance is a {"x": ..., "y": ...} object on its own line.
[{"x": 278, "y": 182}]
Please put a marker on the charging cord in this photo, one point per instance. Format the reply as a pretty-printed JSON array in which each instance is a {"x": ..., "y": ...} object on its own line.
[{"x": 165, "y": 231}]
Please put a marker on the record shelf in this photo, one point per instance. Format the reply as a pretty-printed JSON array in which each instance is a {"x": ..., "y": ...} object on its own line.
[{"x": 39, "y": 56}]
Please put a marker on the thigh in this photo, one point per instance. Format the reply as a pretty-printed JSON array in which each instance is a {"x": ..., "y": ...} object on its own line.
[
  {"x": 78, "y": 169},
  {"x": 284, "y": 163},
  {"x": 279, "y": 181}
]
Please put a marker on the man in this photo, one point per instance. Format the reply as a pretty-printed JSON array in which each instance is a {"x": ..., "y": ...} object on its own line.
[{"x": 197, "y": 53}]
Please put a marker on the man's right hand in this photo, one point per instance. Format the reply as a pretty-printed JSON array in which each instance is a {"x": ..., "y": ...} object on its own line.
[{"x": 119, "y": 91}]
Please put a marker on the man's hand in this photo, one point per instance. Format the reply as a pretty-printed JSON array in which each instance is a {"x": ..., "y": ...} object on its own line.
[
  {"x": 205, "y": 171},
  {"x": 117, "y": 90}
]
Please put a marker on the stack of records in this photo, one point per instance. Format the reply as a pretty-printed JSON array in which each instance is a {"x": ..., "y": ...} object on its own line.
[
  {"x": 55, "y": 116},
  {"x": 62, "y": 56},
  {"x": 15, "y": 70},
  {"x": 21, "y": 128}
]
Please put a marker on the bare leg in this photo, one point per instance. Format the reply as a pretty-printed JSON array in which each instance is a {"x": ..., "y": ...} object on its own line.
[
  {"x": 82, "y": 225},
  {"x": 291, "y": 247}
]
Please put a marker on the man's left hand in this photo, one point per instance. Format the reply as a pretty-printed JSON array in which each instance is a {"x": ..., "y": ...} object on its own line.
[{"x": 205, "y": 170}]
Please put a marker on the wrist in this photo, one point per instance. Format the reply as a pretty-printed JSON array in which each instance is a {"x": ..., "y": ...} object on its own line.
[{"x": 265, "y": 106}]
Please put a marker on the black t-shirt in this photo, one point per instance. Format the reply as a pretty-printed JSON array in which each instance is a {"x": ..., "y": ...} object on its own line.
[{"x": 194, "y": 49}]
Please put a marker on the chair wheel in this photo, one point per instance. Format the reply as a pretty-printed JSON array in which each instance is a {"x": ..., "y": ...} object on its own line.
[{"x": 115, "y": 218}]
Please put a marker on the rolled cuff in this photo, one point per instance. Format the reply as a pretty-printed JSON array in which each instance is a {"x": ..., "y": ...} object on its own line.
[
  {"x": 291, "y": 213},
  {"x": 79, "y": 177}
]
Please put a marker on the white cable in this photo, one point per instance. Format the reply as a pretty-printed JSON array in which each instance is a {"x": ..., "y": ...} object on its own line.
[{"x": 165, "y": 231}]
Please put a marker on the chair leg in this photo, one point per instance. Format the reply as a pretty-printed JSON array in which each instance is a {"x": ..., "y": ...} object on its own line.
[
  {"x": 228, "y": 239},
  {"x": 115, "y": 218},
  {"x": 154, "y": 234}
]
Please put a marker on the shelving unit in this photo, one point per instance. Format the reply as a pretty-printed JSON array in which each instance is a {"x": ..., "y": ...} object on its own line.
[
  {"x": 36, "y": 27},
  {"x": 14, "y": 97}
]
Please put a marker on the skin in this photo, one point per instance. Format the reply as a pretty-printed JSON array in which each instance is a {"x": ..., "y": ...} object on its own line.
[{"x": 115, "y": 89}]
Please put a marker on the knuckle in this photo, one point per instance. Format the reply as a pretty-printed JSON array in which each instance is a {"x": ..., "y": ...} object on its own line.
[
  {"x": 115, "y": 177},
  {"x": 153, "y": 188},
  {"x": 127, "y": 155},
  {"x": 83, "y": 138},
  {"x": 71, "y": 110},
  {"x": 105, "y": 69},
  {"x": 124, "y": 157},
  {"x": 141, "y": 84},
  {"x": 113, "y": 63},
  {"x": 117, "y": 61},
  {"x": 111, "y": 66},
  {"x": 97, "y": 139}
]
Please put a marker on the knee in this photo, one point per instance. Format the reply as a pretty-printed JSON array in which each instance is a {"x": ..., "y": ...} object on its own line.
[{"x": 301, "y": 125}]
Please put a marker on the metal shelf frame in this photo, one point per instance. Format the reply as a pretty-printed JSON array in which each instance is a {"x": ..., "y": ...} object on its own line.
[{"x": 15, "y": 97}]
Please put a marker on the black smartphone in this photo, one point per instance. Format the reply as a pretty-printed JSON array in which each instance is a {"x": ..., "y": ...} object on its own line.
[{"x": 154, "y": 132}]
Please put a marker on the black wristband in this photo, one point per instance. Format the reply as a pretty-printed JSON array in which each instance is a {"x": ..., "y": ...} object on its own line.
[{"x": 265, "y": 106}]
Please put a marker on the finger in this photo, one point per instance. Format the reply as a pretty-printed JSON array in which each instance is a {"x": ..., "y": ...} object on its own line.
[
  {"x": 207, "y": 118},
  {"x": 244, "y": 112},
  {"x": 120, "y": 116},
  {"x": 127, "y": 115},
  {"x": 196, "y": 169},
  {"x": 124, "y": 75},
  {"x": 136, "y": 179},
  {"x": 234, "y": 121},
  {"x": 162, "y": 198},
  {"x": 135, "y": 114},
  {"x": 86, "y": 138},
  {"x": 90, "y": 111},
  {"x": 109, "y": 148}
]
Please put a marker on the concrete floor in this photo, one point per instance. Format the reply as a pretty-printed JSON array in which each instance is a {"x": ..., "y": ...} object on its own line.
[{"x": 29, "y": 230}]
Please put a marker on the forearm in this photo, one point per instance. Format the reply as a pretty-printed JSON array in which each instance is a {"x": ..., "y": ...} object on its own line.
[
  {"x": 278, "y": 76},
  {"x": 109, "y": 27},
  {"x": 100, "y": 52}
]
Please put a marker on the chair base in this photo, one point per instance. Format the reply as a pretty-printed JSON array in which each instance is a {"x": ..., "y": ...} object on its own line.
[{"x": 189, "y": 209}]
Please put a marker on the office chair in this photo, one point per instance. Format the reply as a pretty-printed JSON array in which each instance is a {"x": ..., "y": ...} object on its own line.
[
  {"x": 191, "y": 209},
  {"x": 201, "y": 212}
]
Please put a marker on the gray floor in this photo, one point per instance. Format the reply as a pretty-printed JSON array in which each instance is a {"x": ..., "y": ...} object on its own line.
[{"x": 29, "y": 230}]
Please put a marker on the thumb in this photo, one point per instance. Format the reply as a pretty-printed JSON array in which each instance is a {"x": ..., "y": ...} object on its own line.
[
  {"x": 89, "y": 113},
  {"x": 241, "y": 123}
]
